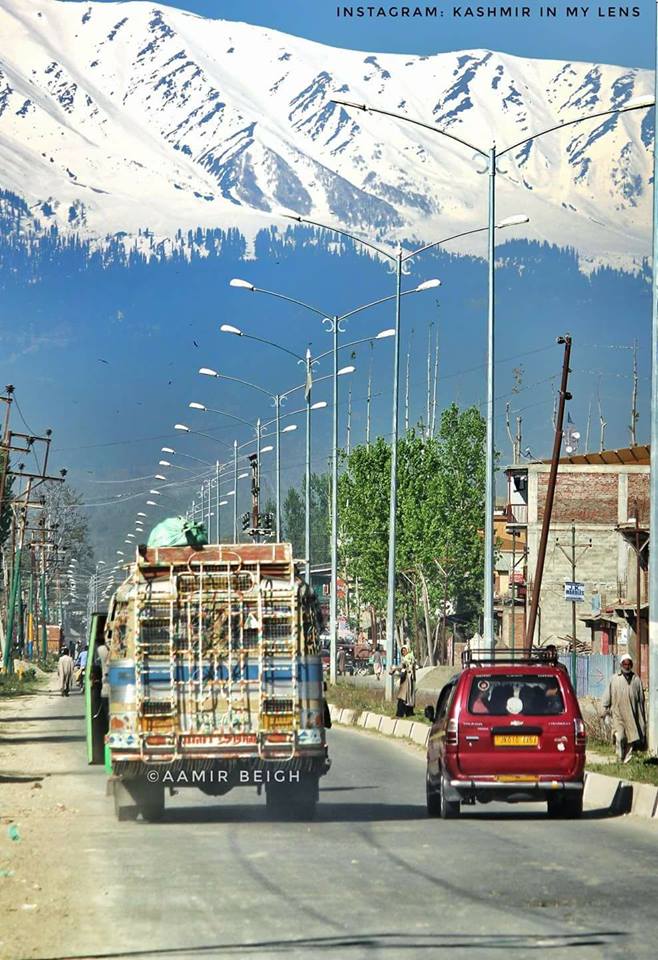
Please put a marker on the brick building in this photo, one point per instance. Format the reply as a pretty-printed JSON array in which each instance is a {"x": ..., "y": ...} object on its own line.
[{"x": 605, "y": 497}]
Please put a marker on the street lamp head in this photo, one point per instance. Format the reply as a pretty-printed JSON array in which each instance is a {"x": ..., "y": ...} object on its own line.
[
  {"x": 156, "y": 493},
  {"x": 223, "y": 503},
  {"x": 320, "y": 405},
  {"x": 383, "y": 334},
  {"x": 207, "y": 372},
  {"x": 100, "y": 563},
  {"x": 345, "y": 370},
  {"x": 513, "y": 221},
  {"x": 242, "y": 284},
  {"x": 196, "y": 406},
  {"x": 231, "y": 493},
  {"x": 428, "y": 285},
  {"x": 164, "y": 463},
  {"x": 121, "y": 553},
  {"x": 228, "y": 328},
  {"x": 159, "y": 476},
  {"x": 289, "y": 428},
  {"x": 266, "y": 449},
  {"x": 243, "y": 476},
  {"x": 142, "y": 514},
  {"x": 167, "y": 450},
  {"x": 151, "y": 503}
]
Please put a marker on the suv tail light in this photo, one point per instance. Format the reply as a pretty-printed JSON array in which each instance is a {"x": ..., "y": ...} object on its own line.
[
  {"x": 452, "y": 732},
  {"x": 580, "y": 732}
]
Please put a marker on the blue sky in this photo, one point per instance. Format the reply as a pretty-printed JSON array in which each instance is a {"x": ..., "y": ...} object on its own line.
[{"x": 628, "y": 41}]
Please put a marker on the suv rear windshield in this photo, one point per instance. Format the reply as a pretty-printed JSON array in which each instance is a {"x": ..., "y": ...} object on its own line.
[{"x": 502, "y": 695}]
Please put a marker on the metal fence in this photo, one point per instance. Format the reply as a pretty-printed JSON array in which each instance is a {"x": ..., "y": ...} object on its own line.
[{"x": 593, "y": 673}]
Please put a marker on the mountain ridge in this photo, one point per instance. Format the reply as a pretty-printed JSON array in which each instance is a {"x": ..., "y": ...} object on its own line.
[{"x": 124, "y": 117}]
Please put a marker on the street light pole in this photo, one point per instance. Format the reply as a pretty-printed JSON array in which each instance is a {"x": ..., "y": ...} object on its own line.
[
  {"x": 277, "y": 404},
  {"x": 490, "y": 493},
  {"x": 217, "y": 524},
  {"x": 653, "y": 473},
  {"x": 235, "y": 493},
  {"x": 392, "y": 515},
  {"x": 333, "y": 598},
  {"x": 307, "y": 491}
]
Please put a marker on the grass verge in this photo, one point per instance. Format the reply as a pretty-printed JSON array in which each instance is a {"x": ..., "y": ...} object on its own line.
[
  {"x": 347, "y": 696},
  {"x": 640, "y": 769},
  {"x": 18, "y": 684}
]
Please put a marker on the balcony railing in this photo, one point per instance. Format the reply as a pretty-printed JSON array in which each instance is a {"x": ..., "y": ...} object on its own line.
[{"x": 517, "y": 513}]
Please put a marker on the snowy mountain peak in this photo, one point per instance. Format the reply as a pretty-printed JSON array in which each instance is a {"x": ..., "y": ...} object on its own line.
[{"x": 115, "y": 117}]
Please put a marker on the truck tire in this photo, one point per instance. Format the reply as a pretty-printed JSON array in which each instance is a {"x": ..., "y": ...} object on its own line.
[
  {"x": 125, "y": 807},
  {"x": 293, "y": 801},
  {"x": 152, "y": 802}
]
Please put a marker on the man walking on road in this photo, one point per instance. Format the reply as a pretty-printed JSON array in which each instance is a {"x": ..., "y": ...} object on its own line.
[
  {"x": 65, "y": 671},
  {"x": 624, "y": 700}
]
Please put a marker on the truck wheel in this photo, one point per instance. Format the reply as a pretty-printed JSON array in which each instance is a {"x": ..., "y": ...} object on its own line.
[
  {"x": 433, "y": 800},
  {"x": 293, "y": 801},
  {"x": 152, "y": 806},
  {"x": 448, "y": 809},
  {"x": 125, "y": 807}
]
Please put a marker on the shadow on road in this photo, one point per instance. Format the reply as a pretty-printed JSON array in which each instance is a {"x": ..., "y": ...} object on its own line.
[
  {"x": 341, "y": 945},
  {"x": 325, "y": 813}
]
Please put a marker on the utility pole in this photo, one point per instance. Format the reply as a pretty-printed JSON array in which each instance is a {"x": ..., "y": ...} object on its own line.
[
  {"x": 634, "y": 414},
  {"x": 348, "y": 444},
  {"x": 519, "y": 421},
  {"x": 428, "y": 423},
  {"x": 369, "y": 399},
  {"x": 564, "y": 395},
  {"x": 434, "y": 385},
  {"x": 571, "y": 557},
  {"x": 589, "y": 423}
]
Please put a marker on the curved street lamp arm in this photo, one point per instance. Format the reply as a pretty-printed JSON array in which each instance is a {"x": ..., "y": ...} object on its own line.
[
  {"x": 417, "y": 123},
  {"x": 374, "y": 303},
  {"x": 247, "y": 383},
  {"x": 208, "y": 436},
  {"x": 343, "y": 233},
  {"x": 299, "y": 303},
  {"x": 223, "y": 413},
  {"x": 436, "y": 243},
  {"x": 271, "y": 343},
  {"x": 343, "y": 346},
  {"x": 570, "y": 123}
]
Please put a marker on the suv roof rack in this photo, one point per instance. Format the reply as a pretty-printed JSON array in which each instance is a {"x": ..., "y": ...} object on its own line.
[{"x": 485, "y": 656}]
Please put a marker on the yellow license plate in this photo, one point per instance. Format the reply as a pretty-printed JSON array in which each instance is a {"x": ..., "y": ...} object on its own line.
[
  {"x": 515, "y": 740},
  {"x": 516, "y": 778}
]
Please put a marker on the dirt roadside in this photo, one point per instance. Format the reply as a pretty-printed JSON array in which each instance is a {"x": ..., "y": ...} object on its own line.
[{"x": 47, "y": 795}]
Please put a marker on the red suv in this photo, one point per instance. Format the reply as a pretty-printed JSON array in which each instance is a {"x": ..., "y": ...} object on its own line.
[{"x": 506, "y": 729}]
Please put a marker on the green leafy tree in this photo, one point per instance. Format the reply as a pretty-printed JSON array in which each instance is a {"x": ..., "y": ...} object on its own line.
[
  {"x": 293, "y": 521},
  {"x": 440, "y": 516}
]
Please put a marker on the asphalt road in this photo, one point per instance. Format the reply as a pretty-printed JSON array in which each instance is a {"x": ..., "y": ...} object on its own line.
[{"x": 370, "y": 877}]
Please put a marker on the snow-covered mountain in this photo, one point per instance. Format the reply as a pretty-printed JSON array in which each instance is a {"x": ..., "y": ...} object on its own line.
[{"x": 117, "y": 118}]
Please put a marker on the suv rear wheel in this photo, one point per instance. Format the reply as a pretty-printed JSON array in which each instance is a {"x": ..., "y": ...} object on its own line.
[
  {"x": 566, "y": 806},
  {"x": 448, "y": 809},
  {"x": 433, "y": 800}
]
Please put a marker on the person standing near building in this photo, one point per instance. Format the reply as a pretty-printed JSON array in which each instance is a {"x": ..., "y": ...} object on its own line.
[
  {"x": 624, "y": 701},
  {"x": 65, "y": 671}
]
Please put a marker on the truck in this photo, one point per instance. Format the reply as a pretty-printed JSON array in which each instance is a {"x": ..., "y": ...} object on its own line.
[{"x": 214, "y": 679}]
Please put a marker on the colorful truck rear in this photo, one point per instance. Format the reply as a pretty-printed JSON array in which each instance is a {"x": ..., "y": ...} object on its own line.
[{"x": 215, "y": 679}]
